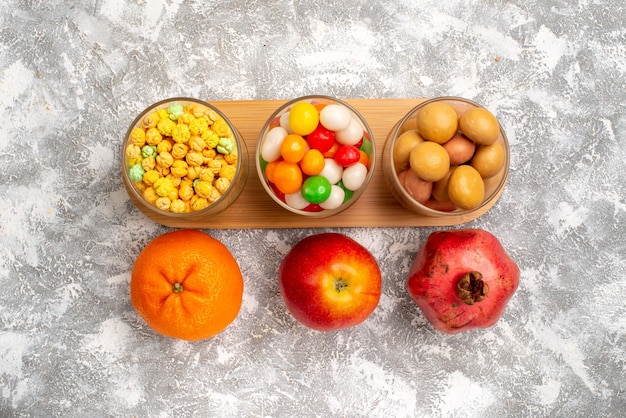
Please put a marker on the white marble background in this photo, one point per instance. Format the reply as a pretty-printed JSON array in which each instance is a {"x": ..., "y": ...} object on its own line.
[{"x": 74, "y": 74}]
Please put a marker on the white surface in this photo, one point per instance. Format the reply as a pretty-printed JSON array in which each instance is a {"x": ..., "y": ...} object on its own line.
[{"x": 73, "y": 75}]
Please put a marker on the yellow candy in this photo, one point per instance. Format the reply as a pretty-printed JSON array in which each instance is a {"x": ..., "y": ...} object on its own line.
[
  {"x": 181, "y": 134},
  {"x": 166, "y": 126},
  {"x": 215, "y": 195},
  {"x": 164, "y": 146},
  {"x": 211, "y": 115},
  {"x": 163, "y": 186},
  {"x": 197, "y": 110},
  {"x": 137, "y": 137},
  {"x": 150, "y": 176},
  {"x": 199, "y": 204},
  {"x": 162, "y": 114},
  {"x": 177, "y": 206},
  {"x": 179, "y": 168},
  {"x": 232, "y": 157},
  {"x": 203, "y": 188},
  {"x": 194, "y": 158},
  {"x": 193, "y": 172},
  {"x": 179, "y": 151},
  {"x": 140, "y": 186},
  {"x": 174, "y": 179},
  {"x": 222, "y": 184},
  {"x": 198, "y": 126},
  {"x": 186, "y": 118},
  {"x": 185, "y": 191},
  {"x": 228, "y": 172},
  {"x": 221, "y": 128},
  {"x": 209, "y": 153},
  {"x": 153, "y": 136},
  {"x": 163, "y": 203},
  {"x": 133, "y": 151},
  {"x": 215, "y": 166},
  {"x": 150, "y": 195},
  {"x": 206, "y": 174},
  {"x": 148, "y": 163},
  {"x": 211, "y": 139},
  {"x": 165, "y": 159},
  {"x": 196, "y": 143},
  {"x": 150, "y": 121}
]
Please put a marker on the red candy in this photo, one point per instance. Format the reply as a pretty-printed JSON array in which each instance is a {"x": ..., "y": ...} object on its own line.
[
  {"x": 321, "y": 139},
  {"x": 347, "y": 155}
]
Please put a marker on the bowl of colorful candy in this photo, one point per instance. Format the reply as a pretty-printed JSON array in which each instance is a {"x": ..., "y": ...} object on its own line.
[
  {"x": 182, "y": 157},
  {"x": 448, "y": 156},
  {"x": 315, "y": 156}
]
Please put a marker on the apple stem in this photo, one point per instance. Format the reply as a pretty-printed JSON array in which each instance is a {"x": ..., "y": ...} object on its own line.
[
  {"x": 471, "y": 288},
  {"x": 340, "y": 284},
  {"x": 177, "y": 288}
]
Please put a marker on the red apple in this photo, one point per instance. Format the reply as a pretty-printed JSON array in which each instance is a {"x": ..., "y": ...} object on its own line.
[{"x": 329, "y": 281}]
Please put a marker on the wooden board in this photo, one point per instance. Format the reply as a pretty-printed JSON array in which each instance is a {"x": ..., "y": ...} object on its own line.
[{"x": 255, "y": 209}]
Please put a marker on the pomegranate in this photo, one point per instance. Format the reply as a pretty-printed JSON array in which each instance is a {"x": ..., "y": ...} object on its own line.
[{"x": 462, "y": 279}]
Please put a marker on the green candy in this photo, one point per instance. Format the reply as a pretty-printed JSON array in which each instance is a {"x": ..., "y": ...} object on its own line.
[
  {"x": 225, "y": 146},
  {"x": 149, "y": 151},
  {"x": 175, "y": 110},
  {"x": 316, "y": 189},
  {"x": 136, "y": 172},
  {"x": 349, "y": 193}
]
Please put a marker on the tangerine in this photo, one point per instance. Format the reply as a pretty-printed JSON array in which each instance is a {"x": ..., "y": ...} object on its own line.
[{"x": 186, "y": 284}]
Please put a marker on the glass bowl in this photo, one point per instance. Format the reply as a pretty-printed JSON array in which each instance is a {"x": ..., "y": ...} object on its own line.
[
  {"x": 315, "y": 156},
  {"x": 183, "y": 158},
  {"x": 397, "y": 172}
]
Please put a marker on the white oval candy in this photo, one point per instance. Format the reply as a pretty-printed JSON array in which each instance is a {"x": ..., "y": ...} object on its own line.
[
  {"x": 350, "y": 135},
  {"x": 270, "y": 150},
  {"x": 332, "y": 171},
  {"x": 296, "y": 200},
  {"x": 284, "y": 122},
  {"x": 335, "y": 117},
  {"x": 337, "y": 194},
  {"x": 354, "y": 176}
]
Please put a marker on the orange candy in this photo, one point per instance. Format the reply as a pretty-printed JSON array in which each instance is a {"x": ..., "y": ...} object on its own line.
[
  {"x": 320, "y": 106},
  {"x": 312, "y": 163},
  {"x": 331, "y": 152},
  {"x": 287, "y": 177},
  {"x": 364, "y": 158},
  {"x": 293, "y": 148},
  {"x": 269, "y": 169}
]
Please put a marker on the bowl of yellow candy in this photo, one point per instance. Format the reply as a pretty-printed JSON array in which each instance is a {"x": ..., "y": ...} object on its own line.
[{"x": 182, "y": 157}]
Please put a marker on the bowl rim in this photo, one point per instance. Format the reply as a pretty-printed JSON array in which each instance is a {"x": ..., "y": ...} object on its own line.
[
  {"x": 240, "y": 173},
  {"x": 420, "y": 208},
  {"x": 326, "y": 212}
]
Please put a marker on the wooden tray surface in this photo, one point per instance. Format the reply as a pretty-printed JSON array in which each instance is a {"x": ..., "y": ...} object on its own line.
[{"x": 255, "y": 209}]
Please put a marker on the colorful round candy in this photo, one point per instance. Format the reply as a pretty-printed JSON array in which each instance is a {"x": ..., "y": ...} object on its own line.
[
  {"x": 335, "y": 117},
  {"x": 316, "y": 189},
  {"x": 332, "y": 170},
  {"x": 351, "y": 135},
  {"x": 315, "y": 155},
  {"x": 335, "y": 199},
  {"x": 354, "y": 176},
  {"x": 347, "y": 155},
  {"x": 303, "y": 118},
  {"x": 270, "y": 149}
]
